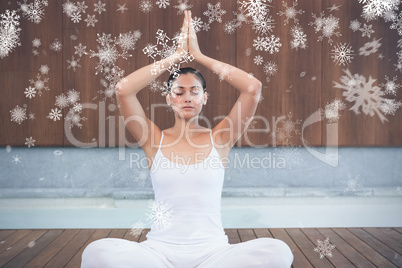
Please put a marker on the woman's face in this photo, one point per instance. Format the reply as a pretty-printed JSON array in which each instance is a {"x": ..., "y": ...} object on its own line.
[{"x": 187, "y": 90}]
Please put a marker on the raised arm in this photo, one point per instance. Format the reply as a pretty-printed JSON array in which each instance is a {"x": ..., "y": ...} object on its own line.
[
  {"x": 230, "y": 129},
  {"x": 136, "y": 121}
]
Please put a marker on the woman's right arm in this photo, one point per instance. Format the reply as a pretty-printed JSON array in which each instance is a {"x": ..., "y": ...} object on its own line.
[{"x": 136, "y": 121}]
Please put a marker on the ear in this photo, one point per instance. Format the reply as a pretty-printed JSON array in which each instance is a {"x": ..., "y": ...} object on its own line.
[{"x": 205, "y": 98}]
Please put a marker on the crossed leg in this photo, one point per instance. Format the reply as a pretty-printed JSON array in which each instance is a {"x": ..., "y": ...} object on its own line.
[
  {"x": 114, "y": 252},
  {"x": 260, "y": 252}
]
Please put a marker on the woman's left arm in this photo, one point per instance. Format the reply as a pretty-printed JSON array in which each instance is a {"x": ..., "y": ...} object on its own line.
[{"x": 230, "y": 129}]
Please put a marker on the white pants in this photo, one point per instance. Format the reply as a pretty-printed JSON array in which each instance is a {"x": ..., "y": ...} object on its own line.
[{"x": 114, "y": 252}]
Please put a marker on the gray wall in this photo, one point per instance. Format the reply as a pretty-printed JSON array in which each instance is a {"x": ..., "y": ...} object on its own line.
[{"x": 100, "y": 172}]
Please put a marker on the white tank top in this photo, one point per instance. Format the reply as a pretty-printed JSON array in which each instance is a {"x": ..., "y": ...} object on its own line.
[{"x": 188, "y": 198}]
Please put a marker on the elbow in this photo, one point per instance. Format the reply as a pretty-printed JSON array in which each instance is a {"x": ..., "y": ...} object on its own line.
[
  {"x": 119, "y": 88},
  {"x": 255, "y": 87}
]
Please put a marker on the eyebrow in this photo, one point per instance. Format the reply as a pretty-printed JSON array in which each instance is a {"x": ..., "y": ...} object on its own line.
[{"x": 184, "y": 87}]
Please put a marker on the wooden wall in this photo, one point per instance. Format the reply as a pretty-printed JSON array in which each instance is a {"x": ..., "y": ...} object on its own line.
[{"x": 303, "y": 83}]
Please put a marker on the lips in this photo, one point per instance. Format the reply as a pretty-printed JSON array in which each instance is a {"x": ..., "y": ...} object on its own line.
[{"x": 187, "y": 107}]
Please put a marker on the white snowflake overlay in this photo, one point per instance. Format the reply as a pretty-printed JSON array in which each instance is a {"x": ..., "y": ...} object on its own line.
[
  {"x": 160, "y": 215},
  {"x": 365, "y": 95},
  {"x": 324, "y": 248},
  {"x": 326, "y": 25},
  {"x": 352, "y": 184},
  {"x": 163, "y": 50},
  {"x": 9, "y": 32},
  {"x": 342, "y": 54}
]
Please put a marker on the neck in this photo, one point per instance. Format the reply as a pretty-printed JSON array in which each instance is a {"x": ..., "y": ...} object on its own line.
[{"x": 186, "y": 127}]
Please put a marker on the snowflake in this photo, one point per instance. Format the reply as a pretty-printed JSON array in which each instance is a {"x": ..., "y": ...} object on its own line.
[
  {"x": 73, "y": 63},
  {"x": 30, "y": 92},
  {"x": 223, "y": 70},
  {"x": 160, "y": 215},
  {"x": 214, "y": 13},
  {"x": 290, "y": 12},
  {"x": 55, "y": 114},
  {"x": 74, "y": 119},
  {"x": 77, "y": 107},
  {"x": 229, "y": 27},
  {"x": 182, "y": 6},
  {"x": 62, "y": 101},
  {"x": 197, "y": 24},
  {"x": 331, "y": 112},
  {"x": 352, "y": 184},
  {"x": 376, "y": 8},
  {"x": 99, "y": 7},
  {"x": 18, "y": 114},
  {"x": 327, "y": 25},
  {"x": 108, "y": 53},
  {"x": 389, "y": 106},
  {"x": 122, "y": 8},
  {"x": 357, "y": 89},
  {"x": 389, "y": 15},
  {"x": 355, "y": 25},
  {"x": 254, "y": 8},
  {"x": 36, "y": 42},
  {"x": 31, "y": 116},
  {"x": 390, "y": 86},
  {"x": 370, "y": 47},
  {"x": 127, "y": 41},
  {"x": 299, "y": 38},
  {"x": 146, "y": 6},
  {"x": 76, "y": 17},
  {"x": 80, "y": 50},
  {"x": 81, "y": 7},
  {"x": 367, "y": 30},
  {"x": 333, "y": 8},
  {"x": 155, "y": 85},
  {"x": 73, "y": 96},
  {"x": 56, "y": 45},
  {"x": 167, "y": 53},
  {"x": 163, "y": 3},
  {"x": 291, "y": 155},
  {"x": 9, "y": 32},
  {"x": 324, "y": 248},
  {"x": 288, "y": 127},
  {"x": 16, "y": 159},
  {"x": 271, "y": 44},
  {"x": 90, "y": 20},
  {"x": 270, "y": 68},
  {"x": 44, "y": 69},
  {"x": 258, "y": 60},
  {"x": 29, "y": 142},
  {"x": 263, "y": 25},
  {"x": 342, "y": 53},
  {"x": 397, "y": 24},
  {"x": 240, "y": 18},
  {"x": 33, "y": 11},
  {"x": 69, "y": 8},
  {"x": 40, "y": 84}
]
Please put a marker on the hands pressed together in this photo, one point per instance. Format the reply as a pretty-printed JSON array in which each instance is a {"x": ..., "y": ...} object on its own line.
[{"x": 189, "y": 36}]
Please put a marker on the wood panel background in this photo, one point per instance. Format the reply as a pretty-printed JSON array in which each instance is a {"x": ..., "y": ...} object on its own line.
[{"x": 303, "y": 83}]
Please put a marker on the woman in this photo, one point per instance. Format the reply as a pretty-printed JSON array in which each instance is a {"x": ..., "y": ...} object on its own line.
[{"x": 194, "y": 236}]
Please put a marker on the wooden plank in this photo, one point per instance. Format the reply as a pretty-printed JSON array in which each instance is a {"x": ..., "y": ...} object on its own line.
[
  {"x": 4, "y": 234},
  {"x": 299, "y": 259},
  {"x": 337, "y": 259},
  {"x": 117, "y": 233},
  {"x": 246, "y": 234},
  {"x": 68, "y": 252},
  {"x": 386, "y": 239},
  {"x": 76, "y": 260},
  {"x": 307, "y": 247},
  {"x": 233, "y": 236},
  {"x": 143, "y": 235},
  {"x": 19, "y": 246},
  {"x": 13, "y": 238},
  {"x": 33, "y": 250},
  {"x": 398, "y": 229},
  {"x": 377, "y": 245},
  {"x": 262, "y": 232},
  {"x": 51, "y": 250},
  {"x": 372, "y": 255},
  {"x": 344, "y": 248},
  {"x": 391, "y": 232}
]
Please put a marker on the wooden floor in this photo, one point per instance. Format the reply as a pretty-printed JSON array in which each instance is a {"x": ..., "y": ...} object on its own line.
[{"x": 354, "y": 247}]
